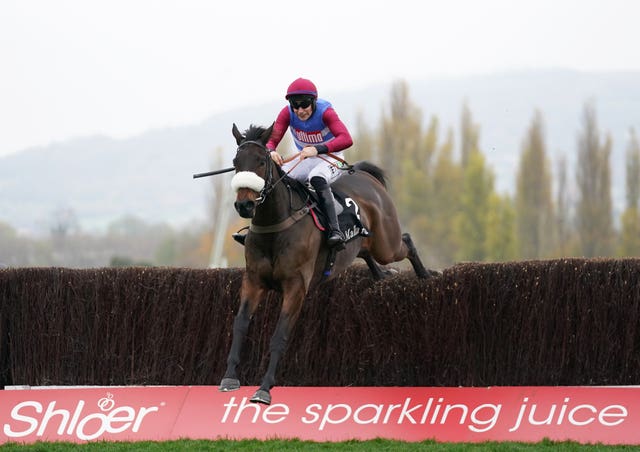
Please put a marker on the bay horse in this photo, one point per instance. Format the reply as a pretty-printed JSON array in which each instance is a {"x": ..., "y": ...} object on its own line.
[{"x": 285, "y": 250}]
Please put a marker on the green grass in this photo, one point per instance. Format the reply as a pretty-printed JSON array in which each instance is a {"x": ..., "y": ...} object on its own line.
[{"x": 290, "y": 445}]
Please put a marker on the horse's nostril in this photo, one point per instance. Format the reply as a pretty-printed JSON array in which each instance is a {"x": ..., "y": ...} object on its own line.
[{"x": 245, "y": 208}]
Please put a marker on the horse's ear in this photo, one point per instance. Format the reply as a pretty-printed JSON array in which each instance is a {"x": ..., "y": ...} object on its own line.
[
  {"x": 266, "y": 134},
  {"x": 237, "y": 134}
]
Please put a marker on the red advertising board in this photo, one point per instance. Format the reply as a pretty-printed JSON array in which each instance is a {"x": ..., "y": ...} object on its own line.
[{"x": 608, "y": 415}]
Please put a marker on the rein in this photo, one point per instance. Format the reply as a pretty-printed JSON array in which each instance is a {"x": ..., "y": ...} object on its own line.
[
  {"x": 269, "y": 185},
  {"x": 346, "y": 167}
]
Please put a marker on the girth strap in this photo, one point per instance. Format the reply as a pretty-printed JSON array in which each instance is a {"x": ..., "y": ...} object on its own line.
[{"x": 287, "y": 223}]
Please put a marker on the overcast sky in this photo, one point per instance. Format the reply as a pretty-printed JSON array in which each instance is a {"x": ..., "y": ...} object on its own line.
[{"x": 72, "y": 68}]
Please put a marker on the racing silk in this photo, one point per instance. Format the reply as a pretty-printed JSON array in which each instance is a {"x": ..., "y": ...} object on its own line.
[
  {"x": 323, "y": 129},
  {"x": 313, "y": 131}
]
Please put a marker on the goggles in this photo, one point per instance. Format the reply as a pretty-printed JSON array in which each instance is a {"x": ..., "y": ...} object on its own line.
[{"x": 305, "y": 102}]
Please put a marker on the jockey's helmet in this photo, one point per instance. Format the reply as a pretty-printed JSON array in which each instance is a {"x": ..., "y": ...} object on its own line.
[{"x": 302, "y": 86}]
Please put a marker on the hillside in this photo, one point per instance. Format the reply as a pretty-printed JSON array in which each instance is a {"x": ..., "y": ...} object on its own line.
[{"x": 150, "y": 175}]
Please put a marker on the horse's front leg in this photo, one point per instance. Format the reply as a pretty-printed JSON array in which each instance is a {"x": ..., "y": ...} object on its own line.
[
  {"x": 293, "y": 296},
  {"x": 250, "y": 295}
]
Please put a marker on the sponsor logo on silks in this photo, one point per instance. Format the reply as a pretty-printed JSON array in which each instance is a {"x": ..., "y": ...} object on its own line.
[
  {"x": 307, "y": 137},
  {"x": 31, "y": 417}
]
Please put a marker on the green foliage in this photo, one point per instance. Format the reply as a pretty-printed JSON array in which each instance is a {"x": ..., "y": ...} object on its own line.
[
  {"x": 402, "y": 153},
  {"x": 533, "y": 201},
  {"x": 562, "y": 221},
  {"x": 443, "y": 191},
  {"x": 434, "y": 227},
  {"x": 128, "y": 241},
  {"x": 629, "y": 244},
  {"x": 10, "y": 244},
  {"x": 364, "y": 147},
  {"x": 500, "y": 242},
  {"x": 473, "y": 218},
  {"x": 469, "y": 133},
  {"x": 594, "y": 218},
  {"x": 124, "y": 261},
  {"x": 633, "y": 171},
  {"x": 630, "y": 234}
]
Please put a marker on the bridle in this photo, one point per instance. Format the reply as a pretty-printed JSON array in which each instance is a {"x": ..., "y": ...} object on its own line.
[
  {"x": 268, "y": 180},
  {"x": 269, "y": 185}
]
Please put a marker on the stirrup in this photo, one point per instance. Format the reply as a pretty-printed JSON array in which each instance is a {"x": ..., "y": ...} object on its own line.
[{"x": 240, "y": 238}]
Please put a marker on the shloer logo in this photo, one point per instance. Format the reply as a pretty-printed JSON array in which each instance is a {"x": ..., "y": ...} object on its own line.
[{"x": 30, "y": 417}]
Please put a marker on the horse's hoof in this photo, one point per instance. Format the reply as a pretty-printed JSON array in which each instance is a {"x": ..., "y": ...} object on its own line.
[
  {"x": 261, "y": 396},
  {"x": 229, "y": 384}
]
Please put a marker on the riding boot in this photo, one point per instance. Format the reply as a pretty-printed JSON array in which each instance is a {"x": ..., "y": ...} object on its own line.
[{"x": 326, "y": 203}]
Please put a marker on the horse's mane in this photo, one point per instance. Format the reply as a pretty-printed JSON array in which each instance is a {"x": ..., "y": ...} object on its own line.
[
  {"x": 253, "y": 133},
  {"x": 372, "y": 169}
]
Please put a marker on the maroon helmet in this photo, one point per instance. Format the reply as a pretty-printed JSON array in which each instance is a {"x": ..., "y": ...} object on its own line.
[{"x": 302, "y": 86}]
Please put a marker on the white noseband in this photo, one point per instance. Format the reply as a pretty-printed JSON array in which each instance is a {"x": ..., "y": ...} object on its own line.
[{"x": 247, "y": 179}]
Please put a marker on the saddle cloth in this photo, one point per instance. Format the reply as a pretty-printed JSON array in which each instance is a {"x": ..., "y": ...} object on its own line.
[{"x": 348, "y": 212}]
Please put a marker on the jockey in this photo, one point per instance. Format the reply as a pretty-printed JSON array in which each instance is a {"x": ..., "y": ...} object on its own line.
[{"x": 317, "y": 130}]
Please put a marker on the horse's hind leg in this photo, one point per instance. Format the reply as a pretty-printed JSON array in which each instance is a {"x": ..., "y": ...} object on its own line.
[
  {"x": 413, "y": 257},
  {"x": 377, "y": 271}
]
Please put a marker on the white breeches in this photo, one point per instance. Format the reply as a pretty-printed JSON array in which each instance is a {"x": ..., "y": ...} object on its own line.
[{"x": 324, "y": 167}]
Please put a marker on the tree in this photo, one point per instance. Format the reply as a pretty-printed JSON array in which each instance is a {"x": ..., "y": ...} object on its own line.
[
  {"x": 500, "y": 242},
  {"x": 562, "y": 224},
  {"x": 13, "y": 250},
  {"x": 633, "y": 171},
  {"x": 130, "y": 237},
  {"x": 469, "y": 134},
  {"x": 64, "y": 222},
  {"x": 364, "y": 147},
  {"x": 630, "y": 220},
  {"x": 594, "y": 205},
  {"x": 220, "y": 214},
  {"x": 435, "y": 229},
  {"x": 472, "y": 219},
  {"x": 533, "y": 202},
  {"x": 401, "y": 150}
]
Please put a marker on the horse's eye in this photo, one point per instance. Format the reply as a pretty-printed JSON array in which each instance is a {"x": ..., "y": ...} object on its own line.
[{"x": 259, "y": 161}]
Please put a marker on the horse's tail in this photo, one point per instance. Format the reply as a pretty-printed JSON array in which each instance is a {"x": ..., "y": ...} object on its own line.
[{"x": 372, "y": 169}]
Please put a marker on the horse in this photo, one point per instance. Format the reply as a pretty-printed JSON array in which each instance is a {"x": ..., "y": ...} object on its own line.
[{"x": 287, "y": 252}]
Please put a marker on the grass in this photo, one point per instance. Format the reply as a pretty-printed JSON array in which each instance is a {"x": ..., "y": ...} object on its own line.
[{"x": 295, "y": 445}]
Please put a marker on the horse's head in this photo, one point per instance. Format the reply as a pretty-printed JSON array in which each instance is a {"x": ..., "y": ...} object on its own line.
[{"x": 254, "y": 169}]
